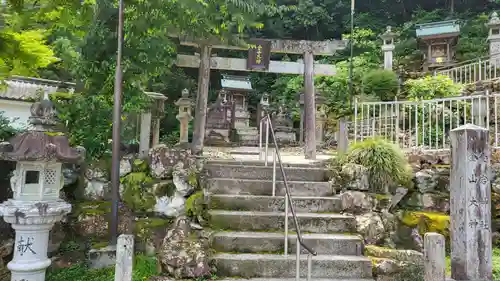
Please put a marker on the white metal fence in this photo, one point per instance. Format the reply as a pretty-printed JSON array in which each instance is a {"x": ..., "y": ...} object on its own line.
[
  {"x": 424, "y": 124},
  {"x": 472, "y": 71}
]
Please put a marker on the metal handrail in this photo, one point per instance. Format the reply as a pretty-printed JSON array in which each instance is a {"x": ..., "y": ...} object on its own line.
[
  {"x": 466, "y": 62},
  {"x": 288, "y": 198}
]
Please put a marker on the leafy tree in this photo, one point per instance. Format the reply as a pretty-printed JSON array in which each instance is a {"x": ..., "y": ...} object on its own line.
[{"x": 381, "y": 83}]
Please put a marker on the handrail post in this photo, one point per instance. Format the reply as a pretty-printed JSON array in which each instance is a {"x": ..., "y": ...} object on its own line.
[
  {"x": 297, "y": 262},
  {"x": 267, "y": 139},
  {"x": 286, "y": 225},
  {"x": 260, "y": 139},
  {"x": 274, "y": 171},
  {"x": 309, "y": 266}
]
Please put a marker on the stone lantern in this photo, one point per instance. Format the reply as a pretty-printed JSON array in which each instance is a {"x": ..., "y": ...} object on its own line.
[
  {"x": 36, "y": 183},
  {"x": 388, "y": 47},
  {"x": 185, "y": 105},
  {"x": 494, "y": 38}
]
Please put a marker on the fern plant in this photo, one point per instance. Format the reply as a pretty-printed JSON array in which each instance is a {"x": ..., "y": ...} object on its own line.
[{"x": 387, "y": 165}]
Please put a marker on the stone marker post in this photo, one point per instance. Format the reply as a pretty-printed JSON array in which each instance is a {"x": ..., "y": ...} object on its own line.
[
  {"x": 124, "y": 258},
  {"x": 36, "y": 183},
  {"x": 343, "y": 140},
  {"x": 470, "y": 209},
  {"x": 434, "y": 257},
  {"x": 185, "y": 104}
]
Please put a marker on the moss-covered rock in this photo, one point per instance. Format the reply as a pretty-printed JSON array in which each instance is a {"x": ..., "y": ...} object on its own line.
[
  {"x": 164, "y": 188},
  {"x": 195, "y": 205},
  {"x": 399, "y": 255},
  {"x": 427, "y": 222},
  {"x": 138, "y": 192}
]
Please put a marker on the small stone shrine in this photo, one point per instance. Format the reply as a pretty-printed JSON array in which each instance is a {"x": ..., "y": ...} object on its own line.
[
  {"x": 437, "y": 41},
  {"x": 238, "y": 87},
  {"x": 221, "y": 119},
  {"x": 283, "y": 127},
  {"x": 36, "y": 183}
]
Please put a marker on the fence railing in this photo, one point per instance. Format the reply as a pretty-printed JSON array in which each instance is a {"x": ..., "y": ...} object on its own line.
[
  {"x": 470, "y": 72},
  {"x": 424, "y": 124},
  {"x": 289, "y": 207}
]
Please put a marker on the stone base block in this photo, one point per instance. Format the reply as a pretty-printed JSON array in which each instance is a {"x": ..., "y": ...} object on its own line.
[{"x": 103, "y": 257}]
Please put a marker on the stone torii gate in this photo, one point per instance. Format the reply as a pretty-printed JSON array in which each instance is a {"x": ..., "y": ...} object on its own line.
[{"x": 259, "y": 60}]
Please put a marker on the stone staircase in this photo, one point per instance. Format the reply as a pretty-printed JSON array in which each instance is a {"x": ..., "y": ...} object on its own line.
[{"x": 250, "y": 223}]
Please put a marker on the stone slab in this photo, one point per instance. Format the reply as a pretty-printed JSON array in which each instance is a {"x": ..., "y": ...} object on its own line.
[
  {"x": 274, "y": 204},
  {"x": 259, "y": 242},
  {"x": 251, "y": 162},
  {"x": 265, "y": 173},
  {"x": 264, "y": 187},
  {"x": 301, "y": 279},
  {"x": 268, "y": 221},
  {"x": 262, "y": 265}
]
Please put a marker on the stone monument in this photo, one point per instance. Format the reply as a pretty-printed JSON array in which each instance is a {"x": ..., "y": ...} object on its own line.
[
  {"x": 283, "y": 127},
  {"x": 218, "y": 125},
  {"x": 388, "y": 47},
  {"x": 494, "y": 38},
  {"x": 36, "y": 183},
  {"x": 470, "y": 208},
  {"x": 184, "y": 116}
]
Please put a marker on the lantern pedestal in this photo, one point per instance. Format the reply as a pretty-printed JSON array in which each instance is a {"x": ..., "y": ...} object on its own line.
[{"x": 32, "y": 222}]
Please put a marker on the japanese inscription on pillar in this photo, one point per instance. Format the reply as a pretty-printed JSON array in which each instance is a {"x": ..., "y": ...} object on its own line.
[
  {"x": 259, "y": 54},
  {"x": 470, "y": 209},
  {"x": 24, "y": 245}
]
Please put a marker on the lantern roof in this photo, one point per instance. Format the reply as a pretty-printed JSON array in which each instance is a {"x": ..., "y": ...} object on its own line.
[{"x": 42, "y": 141}]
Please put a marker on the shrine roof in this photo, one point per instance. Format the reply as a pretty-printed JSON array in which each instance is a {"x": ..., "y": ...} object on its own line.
[
  {"x": 236, "y": 82},
  {"x": 438, "y": 28},
  {"x": 27, "y": 88}
]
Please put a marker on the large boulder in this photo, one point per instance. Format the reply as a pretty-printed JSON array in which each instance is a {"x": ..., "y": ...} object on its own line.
[
  {"x": 183, "y": 255},
  {"x": 371, "y": 226},
  {"x": 6, "y": 248},
  {"x": 356, "y": 177},
  {"x": 356, "y": 202},
  {"x": 96, "y": 184},
  {"x": 391, "y": 264},
  {"x": 163, "y": 159}
]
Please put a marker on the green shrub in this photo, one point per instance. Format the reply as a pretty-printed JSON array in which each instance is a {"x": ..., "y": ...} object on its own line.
[
  {"x": 386, "y": 163},
  {"x": 381, "y": 83},
  {"x": 144, "y": 267}
]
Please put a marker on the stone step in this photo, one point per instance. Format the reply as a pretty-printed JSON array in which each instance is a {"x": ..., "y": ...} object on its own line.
[
  {"x": 301, "y": 279},
  {"x": 265, "y": 173},
  {"x": 259, "y": 242},
  {"x": 315, "y": 164},
  {"x": 265, "y": 187},
  {"x": 279, "y": 266},
  {"x": 268, "y": 221},
  {"x": 274, "y": 204}
]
